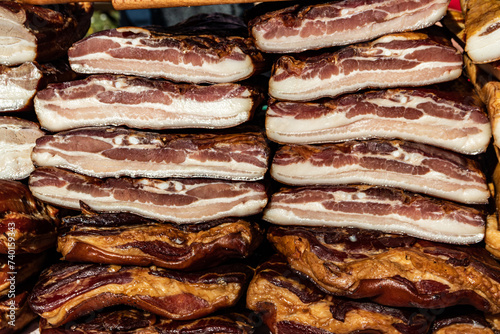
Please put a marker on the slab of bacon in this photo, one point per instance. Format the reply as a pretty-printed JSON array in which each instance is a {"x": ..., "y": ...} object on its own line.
[
  {"x": 127, "y": 239},
  {"x": 156, "y": 54},
  {"x": 394, "y": 270},
  {"x": 448, "y": 120},
  {"x": 375, "y": 208},
  {"x": 457, "y": 320},
  {"x": 411, "y": 166},
  {"x": 144, "y": 103},
  {"x": 18, "y": 269},
  {"x": 290, "y": 303},
  {"x": 114, "y": 152},
  {"x": 395, "y": 60},
  {"x": 40, "y": 33},
  {"x": 67, "y": 291},
  {"x": 15, "y": 313},
  {"x": 17, "y": 139},
  {"x": 25, "y": 222},
  {"x": 305, "y": 27},
  {"x": 174, "y": 200}
]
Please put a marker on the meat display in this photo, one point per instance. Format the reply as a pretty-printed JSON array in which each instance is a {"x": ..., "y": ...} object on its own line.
[
  {"x": 411, "y": 166},
  {"x": 375, "y": 208},
  {"x": 41, "y": 33},
  {"x": 390, "y": 269},
  {"x": 156, "y": 54},
  {"x": 66, "y": 291},
  {"x": 305, "y": 27},
  {"x": 115, "y": 152},
  {"x": 17, "y": 139},
  {"x": 395, "y": 60},
  {"x": 430, "y": 116},
  {"x": 127, "y": 239},
  {"x": 174, "y": 200},
  {"x": 26, "y": 222},
  {"x": 144, "y": 103},
  {"x": 291, "y": 304}
]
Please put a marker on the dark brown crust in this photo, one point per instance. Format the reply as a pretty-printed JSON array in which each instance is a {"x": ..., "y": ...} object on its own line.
[
  {"x": 461, "y": 316},
  {"x": 390, "y": 269}
]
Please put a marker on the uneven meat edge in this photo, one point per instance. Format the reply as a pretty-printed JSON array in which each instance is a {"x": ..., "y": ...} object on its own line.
[{"x": 481, "y": 30}]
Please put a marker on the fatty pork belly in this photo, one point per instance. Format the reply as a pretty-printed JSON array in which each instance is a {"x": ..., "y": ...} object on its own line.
[
  {"x": 291, "y": 304},
  {"x": 390, "y": 269},
  {"x": 179, "y": 201},
  {"x": 144, "y": 103},
  {"x": 66, "y": 291},
  {"x": 448, "y": 120},
  {"x": 394, "y": 60},
  {"x": 17, "y": 139},
  {"x": 26, "y": 224},
  {"x": 410, "y": 166},
  {"x": 127, "y": 239},
  {"x": 384, "y": 209},
  {"x": 40, "y": 33},
  {"x": 177, "y": 53},
  {"x": 115, "y": 152},
  {"x": 305, "y": 27}
]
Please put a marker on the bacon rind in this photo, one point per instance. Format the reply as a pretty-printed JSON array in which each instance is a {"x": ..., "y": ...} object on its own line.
[
  {"x": 279, "y": 292},
  {"x": 143, "y": 103},
  {"x": 375, "y": 208},
  {"x": 395, "y": 60},
  {"x": 428, "y": 116},
  {"x": 173, "y": 200},
  {"x": 114, "y": 152},
  {"x": 306, "y": 27},
  {"x": 392, "y": 270},
  {"x": 411, "y": 166}
]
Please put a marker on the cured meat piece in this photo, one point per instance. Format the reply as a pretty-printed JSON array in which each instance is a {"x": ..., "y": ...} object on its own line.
[
  {"x": 137, "y": 321},
  {"x": 492, "y": 235},
  {"x": 17, "y": 139},
  {"x": 40, "y": 33},
  {"x": 404, "y": 59},
  {"x": 430, "y": 116},
  {"x": 144, "y": 103},
  {"x": 374, "y": 208},
  {"x": 291, "y": 304},
  {"x": 66, "y": 291},
  {"x": 26, "y": 222},
  {"x": 390, "y": 269},
  {"x": 17, "y": 269},
  {"x": 411, "y": 166},
  {"x": 305, "y": 27},
  {"x": 202, "y": 58},
  {"x": 111, "y": 151},
  {"x": 481, "y": 30},
  {"x": 127, "y": 239},
  {"x": 461, "y": 320},
  {"x": 174, "y": 200},
  {"x": 15, "y": 313}
]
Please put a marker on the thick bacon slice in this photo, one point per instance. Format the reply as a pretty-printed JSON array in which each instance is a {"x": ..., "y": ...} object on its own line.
[
  {"x": 404, "y": 59},
  {"x": 448, "y": 120},
  {"x": 291, "y": 304},
  {"x": 394, "y": 270},
  {"x": 144, "y": 103},
  {"x": 411, "y": 166},
  {"x": 305, "y": 27},
  {"x": 26, "y": 222},
  {"x": 156, "y": 54},
  {"x": 17, "y": 139},
  {"x": 173, "y": 200},
  {"x": 383, "y": 209},
  {"x": 66, "y": 291},
  {"x": 127, "y": 239},
  {"x": 41, "y": 33},
  {"x": 114, "y": 152}
]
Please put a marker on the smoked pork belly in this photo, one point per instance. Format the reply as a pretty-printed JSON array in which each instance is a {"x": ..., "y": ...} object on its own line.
[
  {"x": 305, "y": 27},
  {"x": 394, "y": 60},
  {"x": 375, "y": 208},
  {"x": 458, "y": 320},
  {"x": 15, "y": 313},
  {"x": 115, "y": 152},
  {"x": 173, "y": 200},
  {"x": 144, "y": 103},
  {"x": 410, "y": 166}
]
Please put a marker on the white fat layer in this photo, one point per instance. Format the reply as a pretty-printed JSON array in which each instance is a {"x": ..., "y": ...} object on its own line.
[
  {"x": 484, "y": 48},
  {"x": 13, "y": 97},
  {"x": 15, "y": 51},
  {"x": 15, "y": 160}
]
